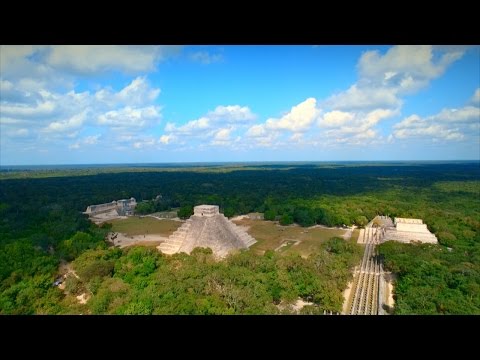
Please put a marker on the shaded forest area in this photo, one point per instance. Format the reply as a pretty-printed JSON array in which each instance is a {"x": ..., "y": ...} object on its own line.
[{"x": 41, "y": 221}]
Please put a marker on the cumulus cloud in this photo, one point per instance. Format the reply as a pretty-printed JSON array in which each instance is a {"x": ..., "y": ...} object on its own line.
[
  {"x": 406, "y": 67},
  {"x": 72, "y": 123},
  {"x": 353, "y": 116},
  {"x": 298, "y": 119},
  {"x": 211, "y": 126},
  {"x": 137, "y": 93},
  {"x": 466, "y": 114},
  {"x": 144, "y": 142},
  {"x": 256, "y": 131},
  {"x": 448, "y": 124},
  {"x": 88, "y": 140},
  {"x": 357, "y": 129},
  {"x": 32, "y": 68},
  {"x": 191, "y": 128},
  {"x": 26, "y": 111},
  {"x": 335, "y": 118},
  {"x": 361, "y": 98},
  {"x": 223, "y": 134},
  {"x": 423, "y": 128},
  {"x": 205, "y": 57},
  {"x": 166, "y": 139},
  {"x": 231, "y": 114},
  {"x": 91, "y": 140},
  {"x": 84, "y": 59},
  {"x": 67, "y": 114},
  {"x": 19, "y": 133},
  {"x": 131, "y": 117}
]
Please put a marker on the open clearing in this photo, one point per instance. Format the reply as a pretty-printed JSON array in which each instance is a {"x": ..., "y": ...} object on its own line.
[
  {"x": 135, "y": 225},
  {"x": 287, "y": 239},
  {"x": 355, "y": 234}
]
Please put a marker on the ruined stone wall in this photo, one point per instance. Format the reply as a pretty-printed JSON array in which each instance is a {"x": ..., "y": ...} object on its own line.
[{"x": 100, "y": 208}]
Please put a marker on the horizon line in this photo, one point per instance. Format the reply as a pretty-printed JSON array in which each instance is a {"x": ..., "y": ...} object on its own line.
[{"x": 238, "y": 162}]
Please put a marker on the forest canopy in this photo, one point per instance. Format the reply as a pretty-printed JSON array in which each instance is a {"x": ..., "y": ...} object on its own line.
[{"x": 42, "y": 224}]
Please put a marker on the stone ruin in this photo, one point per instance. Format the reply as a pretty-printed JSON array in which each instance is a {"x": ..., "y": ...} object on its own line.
[
  {"x": 207, "y": 227},
  {"x": 123, "y": 207},
  {"x": 407, "y": 230}
]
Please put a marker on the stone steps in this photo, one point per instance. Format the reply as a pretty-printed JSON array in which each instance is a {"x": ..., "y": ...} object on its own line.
[
  {"x": 216, "y": 232},
  {"x": 175, "y": 241}
]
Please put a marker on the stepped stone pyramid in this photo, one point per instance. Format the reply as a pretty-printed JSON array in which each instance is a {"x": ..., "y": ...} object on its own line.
[{"x": 207, "y": 227}]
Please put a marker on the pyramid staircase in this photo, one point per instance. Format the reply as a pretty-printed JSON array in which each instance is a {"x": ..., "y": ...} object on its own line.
[{"x": 174, "y": 241}]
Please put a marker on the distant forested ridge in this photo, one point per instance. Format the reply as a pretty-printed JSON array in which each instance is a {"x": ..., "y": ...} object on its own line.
[{"x": 41, "y": 221}]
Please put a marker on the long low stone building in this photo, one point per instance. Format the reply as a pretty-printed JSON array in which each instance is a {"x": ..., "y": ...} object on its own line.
[
  {"x": 207, "y": 227},
  {"x": 115, "y": 208},
  {"x": 407, "y": 230}
]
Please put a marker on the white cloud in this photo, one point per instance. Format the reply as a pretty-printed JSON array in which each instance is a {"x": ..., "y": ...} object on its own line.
[
  {"x": 358, "y": 98},
  {"x": 88, "y": 140},
  {"x": 19, "y": 133},
  {"x": 73, "y": 122},
  {"x": 297, "y": 137},
  {"x": 129, "y": 117},
  {"x": 210, "y": 126},
  {"x": 359, "y": 127},
  {"x": 383, "y": 79},
  {"x": 56, "y": 115},
  {"x": 335, "y": 119},
  {"x": 223, "y": 134},
  {"x": 137, "y": 93},
  {"x": 32, "y": 68},
  {"x": 406, "y": 67},
  {"x": 144, "y": 142},
  {"x": 205, "y": 57},
  {"x": 14, "y": 60},
  {"x": 431, "y": 131},
  {"x": 464, "y": 115},
  {"x": 231, "y": 114},
  {"x": 5, "y": 86},
  {"x": 448, "y": 124},
  {"x": 191, "y": 127},
  {"x": 299, "y": 119},
  {"x": 91, "y": 140},
  {"x": 22, "y": 111},
  {"x": 91, "y": 59},
  {"x": 166, "y": 139},
  {"x": 256, "y": 131}
]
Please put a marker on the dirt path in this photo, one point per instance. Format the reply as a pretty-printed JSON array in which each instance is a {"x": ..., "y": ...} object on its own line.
[
  {"x": 159, "y": 218},
  {"x": 348, "y": 233}
]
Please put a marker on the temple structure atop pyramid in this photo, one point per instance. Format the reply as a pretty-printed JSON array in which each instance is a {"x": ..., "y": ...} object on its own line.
[{"x": 207, "y": 227}]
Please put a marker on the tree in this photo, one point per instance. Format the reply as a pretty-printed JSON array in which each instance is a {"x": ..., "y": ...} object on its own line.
[
  {"x": 185, "y": 212},
  {"x": 145, "y": 207},
  {"x": 286, "y": 220},
  {"x": 361, "y": 220},
  {"x": 270, "y": 215},
  {"x": 229, "y": 212},
  {"x": 304, "y": 217}
]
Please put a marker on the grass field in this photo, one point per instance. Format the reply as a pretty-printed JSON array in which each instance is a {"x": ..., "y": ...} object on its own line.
[
  {"x": 355, "y": 234},
  {"x": 271, "y": 236},
  {"x": 146, "y": 225}
]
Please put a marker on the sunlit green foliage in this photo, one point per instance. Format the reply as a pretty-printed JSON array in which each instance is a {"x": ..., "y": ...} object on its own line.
[{"x": 41, "y": 223}]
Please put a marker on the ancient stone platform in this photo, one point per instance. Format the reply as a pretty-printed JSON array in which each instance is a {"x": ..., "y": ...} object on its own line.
[{"x": 207, "y": 227}]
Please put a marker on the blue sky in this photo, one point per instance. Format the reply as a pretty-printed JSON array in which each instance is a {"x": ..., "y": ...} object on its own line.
[{"x": 126, "y": 104}]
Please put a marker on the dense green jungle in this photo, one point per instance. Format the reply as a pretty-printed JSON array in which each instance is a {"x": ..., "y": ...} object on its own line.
[{"x": 42, "y": 228}]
